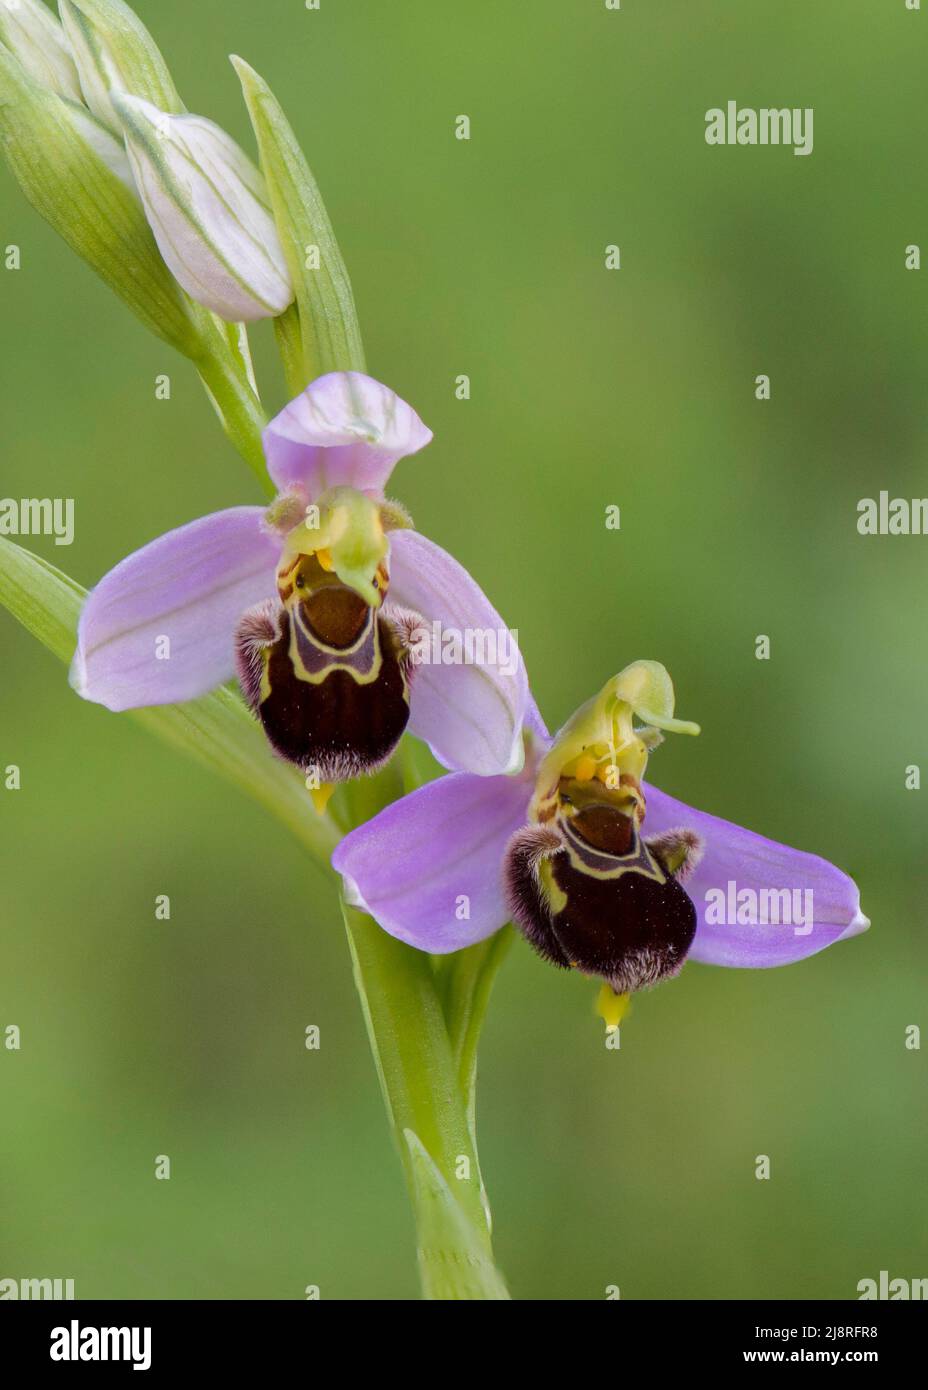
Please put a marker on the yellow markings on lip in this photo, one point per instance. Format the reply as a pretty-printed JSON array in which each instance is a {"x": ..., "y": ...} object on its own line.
[
  {"x": 557, "y": 898},
  {"x": 325, "y": 559},
  {"x": 286, "y": 577}
]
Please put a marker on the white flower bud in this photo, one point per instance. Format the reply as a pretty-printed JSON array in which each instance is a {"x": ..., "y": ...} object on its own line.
[
  {"x": 207, "y": 205},
  {"x": 33, "y": 36}
]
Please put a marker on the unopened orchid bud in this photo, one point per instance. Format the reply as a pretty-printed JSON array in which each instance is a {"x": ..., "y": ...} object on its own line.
[
  {"x": 207, "y": 205},
  {"x": 35, "y": 38}
]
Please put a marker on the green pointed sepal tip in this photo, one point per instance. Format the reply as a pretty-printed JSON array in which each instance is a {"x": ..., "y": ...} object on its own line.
[
  {"x": 605, "y": 724},
  {"x": 647, "y": 688}
]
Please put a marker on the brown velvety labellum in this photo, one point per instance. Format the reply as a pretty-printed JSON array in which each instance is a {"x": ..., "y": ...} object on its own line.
[
  {"x": 328, "y": 678},
  {"x": 608, "y": 907},
  {"x": 632, "y": 930},
  {"x": 337, "y": 725}
]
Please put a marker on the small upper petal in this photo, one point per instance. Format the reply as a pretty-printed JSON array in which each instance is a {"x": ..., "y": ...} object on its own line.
[
  {"x": 470, "y": 708},
  {"x": 344, "y": 430},
  {"x": 428, "y": 868},
  {"x": 160, "y": 626},
  {"x": 792, "y": 904}
]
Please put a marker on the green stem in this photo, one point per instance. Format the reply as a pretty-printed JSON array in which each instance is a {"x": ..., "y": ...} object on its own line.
[
  {"x": 466, "y": 979},
  {"x": 418, "y": 1074},
  {"x": 238, "y": 408}
]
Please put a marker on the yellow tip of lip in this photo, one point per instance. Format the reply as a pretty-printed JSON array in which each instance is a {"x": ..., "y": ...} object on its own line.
[
  {"x": 611, "y": 1007},
  {"x": 321, "y": 796}
]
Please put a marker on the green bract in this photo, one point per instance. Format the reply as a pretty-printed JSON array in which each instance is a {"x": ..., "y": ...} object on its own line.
[
  {"x": 35, "y": 38},
  {"x": 330, "y": 336},
  {"x": 114, "y": 51},
  {"x": 64, "y": 162}
]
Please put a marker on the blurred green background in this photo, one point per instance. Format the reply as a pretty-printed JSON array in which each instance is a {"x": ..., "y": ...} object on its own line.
[{"x": 589, "y": 388}]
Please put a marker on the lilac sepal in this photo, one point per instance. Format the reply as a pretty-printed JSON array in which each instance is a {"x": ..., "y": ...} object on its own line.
[
  {"x": 159, "y": 627},
  {"x": 823, "y": 902},
  {"x": 428, "y": 867},
  {"x": 471, "y": 714},
  {"x": 410, "y": 866}
]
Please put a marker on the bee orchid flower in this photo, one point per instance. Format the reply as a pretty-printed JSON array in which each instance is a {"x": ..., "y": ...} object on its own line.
[
  {"x": 315, "y": 602},
  {"x": 601, "y": 872}
]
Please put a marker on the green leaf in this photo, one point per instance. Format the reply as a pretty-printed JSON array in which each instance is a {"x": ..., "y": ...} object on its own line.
[
  {"x": 454, "y": 1261},
  {"x": 329, "y": 328},
  {"x": 217, "y": 730},
  {"x": 45, "y": 601}
]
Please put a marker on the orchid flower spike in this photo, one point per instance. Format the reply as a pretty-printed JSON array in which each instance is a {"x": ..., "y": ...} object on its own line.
[
  {"x": 321, "y": 603},
  {"x": 599, "y": 871}
]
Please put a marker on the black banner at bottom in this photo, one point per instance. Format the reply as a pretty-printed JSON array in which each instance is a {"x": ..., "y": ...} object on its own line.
[{"x": 166, "y": 1337}]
